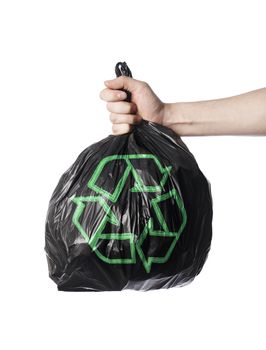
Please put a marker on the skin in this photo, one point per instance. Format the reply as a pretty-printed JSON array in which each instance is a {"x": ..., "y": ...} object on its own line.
[{"x": 243, "y": 114}]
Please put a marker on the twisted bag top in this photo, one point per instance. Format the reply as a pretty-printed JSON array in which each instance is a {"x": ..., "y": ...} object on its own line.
[{"x": 134, "y": 211}]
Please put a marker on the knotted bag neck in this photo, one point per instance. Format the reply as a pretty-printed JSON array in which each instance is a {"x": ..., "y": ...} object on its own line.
[{"x": 121, "y": 68}]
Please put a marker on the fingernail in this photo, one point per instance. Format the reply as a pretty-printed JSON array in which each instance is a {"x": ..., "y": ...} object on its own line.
[
  {"x": 122, "y": 95},
  {"x": 107, "y": 82}
]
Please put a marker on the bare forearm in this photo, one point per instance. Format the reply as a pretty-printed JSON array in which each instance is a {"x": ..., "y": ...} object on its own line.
[{"x": 244, "y": 114}]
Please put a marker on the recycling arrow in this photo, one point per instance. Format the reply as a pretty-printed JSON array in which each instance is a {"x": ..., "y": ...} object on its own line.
[
  {"x": 149, "y": 230},
  {"x": 93, "y": 239},
  {"x": 139, "y": 184}
]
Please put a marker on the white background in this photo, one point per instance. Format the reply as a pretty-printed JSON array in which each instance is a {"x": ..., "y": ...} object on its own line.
[{"x": 54, "y": 58}]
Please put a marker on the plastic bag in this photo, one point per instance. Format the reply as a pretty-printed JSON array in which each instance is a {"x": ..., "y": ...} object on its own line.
[{"x": 134, "y": 211}]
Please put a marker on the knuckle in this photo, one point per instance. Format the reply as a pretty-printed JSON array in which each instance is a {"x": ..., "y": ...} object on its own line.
[
  {"x": 109, "y": 106},
  {"x": 113, "y": 117},
  {"x": 144, "y": 84},
  {"x": 115, "y": 129},
  {"x": 120, "y": 129},
  {"x": 101, "y": 94},
  {"x": 123, "y": 78},
  {"x": 127, "y": 128}
]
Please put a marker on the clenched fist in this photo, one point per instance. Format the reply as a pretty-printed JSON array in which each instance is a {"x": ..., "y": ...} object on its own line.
[{"x": 144, "y": 104}]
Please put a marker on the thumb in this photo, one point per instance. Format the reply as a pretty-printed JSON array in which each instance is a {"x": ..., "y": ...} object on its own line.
[{"x": 123, "y": 82}]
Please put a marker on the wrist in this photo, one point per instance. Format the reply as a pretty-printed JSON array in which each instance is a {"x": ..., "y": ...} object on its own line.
[{"x": 173, "y": 114}]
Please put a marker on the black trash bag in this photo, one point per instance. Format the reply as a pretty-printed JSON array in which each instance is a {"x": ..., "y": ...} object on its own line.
[{"x": 134, "y": 211}]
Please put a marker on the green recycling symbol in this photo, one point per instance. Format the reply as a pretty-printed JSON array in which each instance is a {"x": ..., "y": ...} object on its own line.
[{"x": 103, "y": 197}]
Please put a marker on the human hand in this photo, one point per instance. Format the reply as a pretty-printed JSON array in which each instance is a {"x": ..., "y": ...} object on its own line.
[{"x": 144, "y": 104}]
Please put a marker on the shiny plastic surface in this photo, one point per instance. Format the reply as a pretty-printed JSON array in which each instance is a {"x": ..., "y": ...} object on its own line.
[{"x": 133, "y": 212}]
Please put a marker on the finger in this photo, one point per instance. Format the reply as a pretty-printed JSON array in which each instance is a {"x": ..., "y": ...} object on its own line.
[
  {"x": 112, "y": 95},
  {"x": 123, "y": 82},
  {"x": 121, "y": 107},
  {"x": 125, "y": 118},
  {"x": 119, "y": 129}
]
